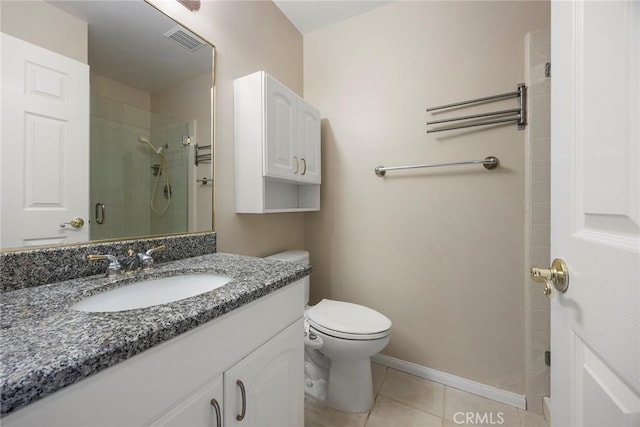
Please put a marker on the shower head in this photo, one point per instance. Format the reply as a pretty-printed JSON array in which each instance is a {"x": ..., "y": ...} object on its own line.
[{"x": 145, "y": 140}]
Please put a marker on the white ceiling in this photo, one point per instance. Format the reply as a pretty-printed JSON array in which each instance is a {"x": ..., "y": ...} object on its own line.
[
  {"x": 130, "y": 32},
  {"x": 311, "y": 15}
]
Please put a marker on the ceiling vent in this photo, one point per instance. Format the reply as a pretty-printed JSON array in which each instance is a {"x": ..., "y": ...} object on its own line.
[{"x": 184, "y": 38}]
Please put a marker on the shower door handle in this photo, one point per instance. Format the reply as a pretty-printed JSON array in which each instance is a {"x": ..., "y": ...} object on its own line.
[{"x": 99, "y": 213}]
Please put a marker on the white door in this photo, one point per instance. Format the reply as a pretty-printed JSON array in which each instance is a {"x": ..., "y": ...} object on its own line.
[
  {"x": 309, "y": 142},
  {"x": 265, "y": 389},
  {"x": 595, "y": 218},
  {"x": 281, "y": 141},
  {"x": 44, "y": 146}
]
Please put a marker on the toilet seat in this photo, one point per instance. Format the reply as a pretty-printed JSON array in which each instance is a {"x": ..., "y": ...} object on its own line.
[{"x": 348, "y": 321}]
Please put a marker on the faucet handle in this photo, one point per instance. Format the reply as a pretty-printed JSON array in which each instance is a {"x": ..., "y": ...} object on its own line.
[
  {"x": 156, "y": 249},
  {"x": 114, "y": 266},
  {"x": 146, "y": 258}
]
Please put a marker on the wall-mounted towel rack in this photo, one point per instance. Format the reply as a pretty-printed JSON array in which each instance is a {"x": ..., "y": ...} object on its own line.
[
  {"x": 490, "y": 162},
  {"x": 201, "y": 158},
  {"x": 515, "y": 115}
]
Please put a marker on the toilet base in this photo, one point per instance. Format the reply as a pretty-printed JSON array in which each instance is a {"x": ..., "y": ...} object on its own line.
[
  {"x": 316, "y": 389},
  {"x": 350, "y": 386},
  {"x": 346, "y": 386}
]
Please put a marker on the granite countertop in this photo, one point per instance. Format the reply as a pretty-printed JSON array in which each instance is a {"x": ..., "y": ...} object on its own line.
[{"x": 46, "y": 345}]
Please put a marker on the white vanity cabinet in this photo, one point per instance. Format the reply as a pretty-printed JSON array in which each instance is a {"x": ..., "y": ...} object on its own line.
[
  {"x": 174, "y": 383},
  {"x": 201, "y": 409},
  {"x": 263, "y": 389},
  {"x": 277, "y": 147}
]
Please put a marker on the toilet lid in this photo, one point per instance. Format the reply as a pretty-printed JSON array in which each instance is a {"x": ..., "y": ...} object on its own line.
[{"x": 347, "y": 320}]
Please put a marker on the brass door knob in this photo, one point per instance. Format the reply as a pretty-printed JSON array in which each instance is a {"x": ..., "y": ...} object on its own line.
[
  {"x": 556, "y": 275},
  {"x": 76, "y": 222}
]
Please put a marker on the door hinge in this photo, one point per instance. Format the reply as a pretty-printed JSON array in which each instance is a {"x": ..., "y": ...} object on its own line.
[
  {"x": 547, "y": 358},
  {"x": 547, "y": 69}
]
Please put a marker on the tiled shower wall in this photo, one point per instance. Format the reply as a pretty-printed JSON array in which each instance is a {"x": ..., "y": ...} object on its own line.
[{"x": 537, "y": 219}]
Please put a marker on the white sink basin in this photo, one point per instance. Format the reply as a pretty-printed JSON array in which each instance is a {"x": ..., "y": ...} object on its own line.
[{"x": 152, "y": 292}]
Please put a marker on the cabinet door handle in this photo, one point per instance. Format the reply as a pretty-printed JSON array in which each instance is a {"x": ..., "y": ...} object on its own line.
[
  {"x": 297, "y": 165},
  {"x": 244, "y": 401},
  {"x": 304, "y": 164},
  {"x": 216, "y": 407}
]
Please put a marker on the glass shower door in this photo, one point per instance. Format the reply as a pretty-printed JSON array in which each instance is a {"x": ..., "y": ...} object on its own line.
[{"x": 138, "y": 172}]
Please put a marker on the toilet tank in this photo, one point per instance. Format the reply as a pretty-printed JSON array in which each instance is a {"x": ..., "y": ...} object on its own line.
[{"x": 299, "y": 257}]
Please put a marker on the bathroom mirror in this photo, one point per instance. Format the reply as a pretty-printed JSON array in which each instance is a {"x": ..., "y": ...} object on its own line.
[{"x": 150, "y": 126}]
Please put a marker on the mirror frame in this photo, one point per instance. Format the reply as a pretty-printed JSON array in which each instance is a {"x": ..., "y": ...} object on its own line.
[{"x": 213, "y": 149}]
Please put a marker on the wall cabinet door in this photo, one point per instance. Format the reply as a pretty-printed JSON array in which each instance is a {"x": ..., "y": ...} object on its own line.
[
  {"x": 277, "y": 148},
  {"x": 201, "y": 409},
  {"x": 308, "y": 143},
  {"x": 272, "y": 379},
  {"x": 281, "y": 140}
]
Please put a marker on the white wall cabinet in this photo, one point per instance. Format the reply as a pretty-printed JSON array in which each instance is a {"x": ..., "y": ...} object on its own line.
[
  {"x": 173, "y": 384},
  {"x": 309, "y": 143},
  {"x": 277, "y": 147}
]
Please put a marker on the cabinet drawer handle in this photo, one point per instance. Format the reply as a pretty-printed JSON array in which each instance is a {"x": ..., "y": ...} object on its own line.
[
  {"x": 304, "y": 164},
  {"x": 216, "y": 407},
  {"x": 297, "y": 165},
  {"x": 244, "y": 401}
]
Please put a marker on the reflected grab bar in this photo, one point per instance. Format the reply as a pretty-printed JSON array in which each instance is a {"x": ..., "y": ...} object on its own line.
[{"x": 490, "y": 162}]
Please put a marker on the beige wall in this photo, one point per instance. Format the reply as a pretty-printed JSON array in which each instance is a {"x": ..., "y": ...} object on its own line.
[
  {"x": 248, "y": 36},
  {"x": 439, "y": 251},
  {"x": 47, "y": 26},
  {"x": 121, "y": 92}
]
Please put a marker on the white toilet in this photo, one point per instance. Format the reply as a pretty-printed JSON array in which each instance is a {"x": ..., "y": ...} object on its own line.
[{"x": 340, "y": 338}]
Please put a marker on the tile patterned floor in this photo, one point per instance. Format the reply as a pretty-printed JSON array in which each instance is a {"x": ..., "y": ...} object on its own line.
[{"x": 404, "y": 400}]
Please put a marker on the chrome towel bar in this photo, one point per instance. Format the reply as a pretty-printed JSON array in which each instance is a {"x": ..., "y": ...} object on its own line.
[
  {"x": 490, "y": 162},
  {"x": 518, "y": 115}
]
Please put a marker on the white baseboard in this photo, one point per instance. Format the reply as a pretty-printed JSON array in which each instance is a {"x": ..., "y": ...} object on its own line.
[{"x": 490, "y": 392}]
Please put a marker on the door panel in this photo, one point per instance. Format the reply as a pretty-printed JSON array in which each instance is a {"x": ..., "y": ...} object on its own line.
[
  {"x": 309, "y": 142},
  {"x": 281, "y": 159},
  {"x": 197, "y": 410},
  {"x": 595, "y": 221},
  {"x": 273, "y": 381},
  {"x": 44, "y": 146}
]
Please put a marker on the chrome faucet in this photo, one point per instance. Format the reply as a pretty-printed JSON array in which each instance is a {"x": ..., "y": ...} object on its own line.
[
  {"x": 141, "y": 260},
  {"x": 114, "y": 268},
  {"x": 135, "y": 262}
]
